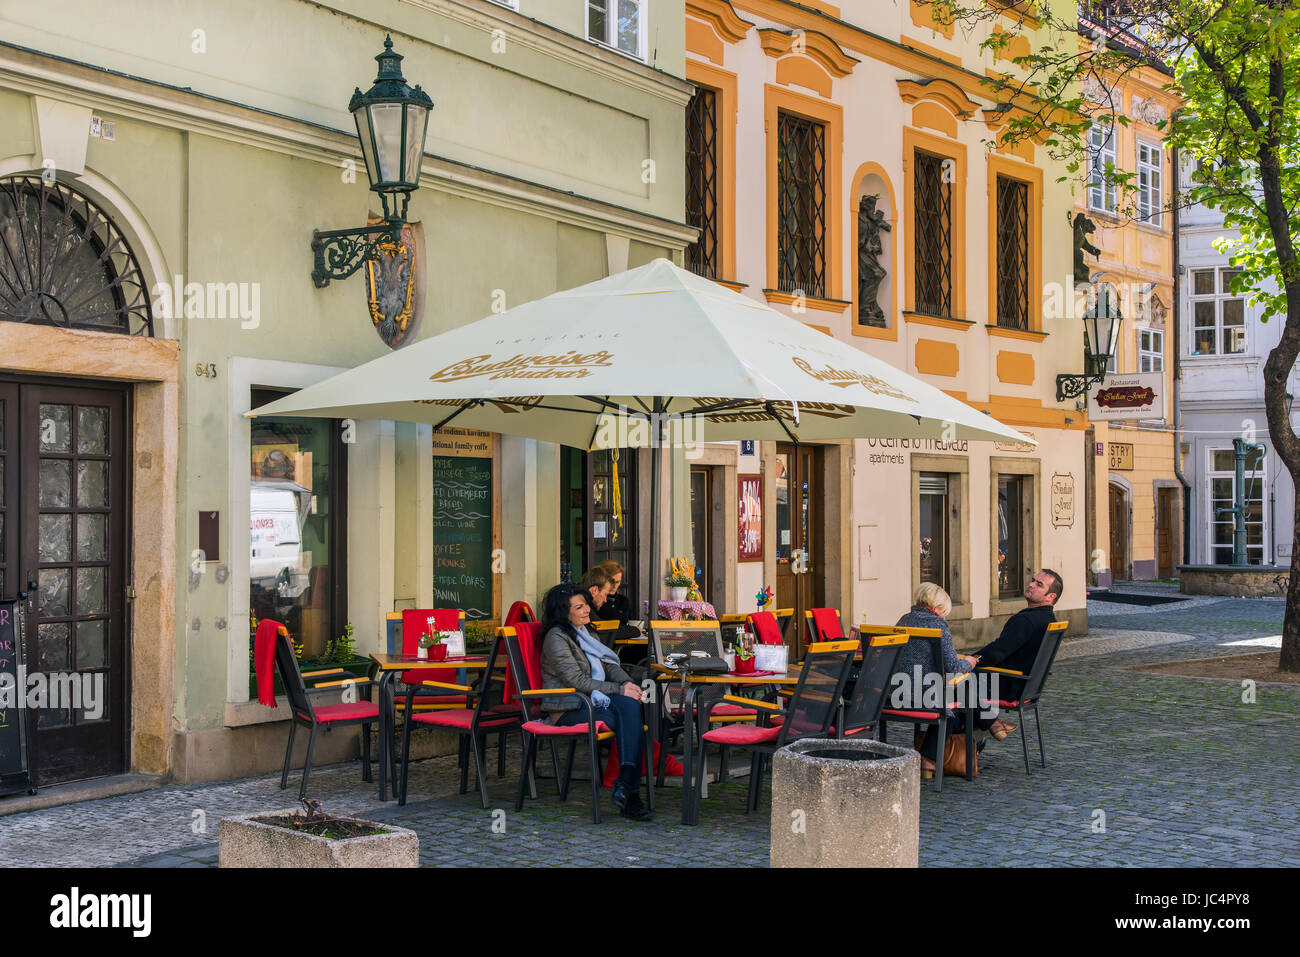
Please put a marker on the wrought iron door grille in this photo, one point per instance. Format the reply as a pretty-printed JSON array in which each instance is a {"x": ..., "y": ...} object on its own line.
[
  {"x": 801, "y": 206},
  {"x": 702, "y": 181},
  {"x": 1013, "y": 254},
  {"x": 933, "y": 236},
  {"x": 64, "y": 263}
]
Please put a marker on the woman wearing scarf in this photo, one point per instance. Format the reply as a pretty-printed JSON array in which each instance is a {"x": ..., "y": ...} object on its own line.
[{"x": 573, "y": 658}]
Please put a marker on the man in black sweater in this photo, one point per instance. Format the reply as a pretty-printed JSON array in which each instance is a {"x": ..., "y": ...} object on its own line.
[{"x": 1017, "y": 647}]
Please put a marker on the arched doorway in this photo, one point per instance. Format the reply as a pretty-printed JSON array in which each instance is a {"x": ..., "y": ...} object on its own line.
[{"x": 1119, "y": 533}]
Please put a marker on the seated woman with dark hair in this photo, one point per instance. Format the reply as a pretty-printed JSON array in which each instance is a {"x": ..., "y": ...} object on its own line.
[{"x": 573, "y": 658}]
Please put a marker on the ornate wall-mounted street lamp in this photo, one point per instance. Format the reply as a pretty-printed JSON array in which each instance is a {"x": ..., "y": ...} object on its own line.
[
  {"x": 1100, "y": 336},
  {"x": 391, "y": 118}
]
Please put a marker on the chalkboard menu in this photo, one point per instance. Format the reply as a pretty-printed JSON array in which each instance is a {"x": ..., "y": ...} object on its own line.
[
  {"x": 462, "y": 534},
  {"x": 15, "y": 773}
]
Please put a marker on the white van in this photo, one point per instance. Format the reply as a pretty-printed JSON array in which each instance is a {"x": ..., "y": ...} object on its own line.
[{"x": 278, "y": 510}]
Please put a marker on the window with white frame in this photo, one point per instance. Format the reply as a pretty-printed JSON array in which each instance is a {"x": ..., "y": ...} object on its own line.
[
  {"x": 512, "y": 4},
  {"x": 1101, "y": 187},
  {"x": 1151, "y": 350},
  {"x": 1221, "y": 479},
  {"x": 619, "y": 24},
  {"x": 1150, "y": 200},
  {"x": 1218, "y": 316}
]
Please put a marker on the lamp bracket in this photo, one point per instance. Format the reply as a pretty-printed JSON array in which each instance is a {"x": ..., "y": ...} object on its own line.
[
  {"x": 338, "y": 253},
  {"x": 1074, "y": 386}
]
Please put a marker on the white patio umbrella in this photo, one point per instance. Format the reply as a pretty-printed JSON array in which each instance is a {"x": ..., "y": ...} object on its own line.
[{"x": 588, "y": 366}]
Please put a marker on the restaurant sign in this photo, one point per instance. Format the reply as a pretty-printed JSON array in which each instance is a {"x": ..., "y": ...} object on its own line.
[
  {"x": 1121, "y": 456},
  {"x": 1133, "y": 396},
  {"x": 1062, "y": 501}
]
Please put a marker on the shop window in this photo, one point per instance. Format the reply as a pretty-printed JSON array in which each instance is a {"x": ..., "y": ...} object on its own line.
[
  {"x": 702, "y": 181},
  {"x": 1013, "y": 498},
  {"x": 936, "y": 535},
  {"x": 933, "y": 199},
  {"x": 297, "y": 525},
  {"x": 1221, "y": 478},
  {"x": 1218, "y": 316},
  {"x": 1013, "y": 253},
  {"x": 801, "y": 206}
]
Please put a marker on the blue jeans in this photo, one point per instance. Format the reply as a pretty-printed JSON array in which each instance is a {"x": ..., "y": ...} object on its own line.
[{"x": 624, "y": 718}]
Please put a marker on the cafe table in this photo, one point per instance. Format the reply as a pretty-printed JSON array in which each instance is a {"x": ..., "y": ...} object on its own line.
[
  {"x": 390, "y": 668},
  {"x": 697, "y": 683}
]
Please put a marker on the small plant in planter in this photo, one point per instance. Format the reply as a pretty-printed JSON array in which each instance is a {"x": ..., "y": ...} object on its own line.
[
  {"x": 680, "y": 584},
  {"x": 314, "y": 838},
  {"x": 744, "y": 659},
  {"x": 432, "y": 646}
]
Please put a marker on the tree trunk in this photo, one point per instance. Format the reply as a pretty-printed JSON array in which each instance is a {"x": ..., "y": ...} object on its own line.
[{"x": 1290, "y": 657}]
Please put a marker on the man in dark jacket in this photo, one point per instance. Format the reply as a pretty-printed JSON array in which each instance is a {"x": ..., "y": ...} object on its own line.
[{"x": 1017, "y": 647}]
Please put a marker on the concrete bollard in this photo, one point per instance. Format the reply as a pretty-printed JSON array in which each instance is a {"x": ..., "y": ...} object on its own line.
[{"x": 850, "y": 803}]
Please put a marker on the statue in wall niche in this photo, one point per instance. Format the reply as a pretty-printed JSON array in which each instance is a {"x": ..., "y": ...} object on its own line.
[
  {"x": 871, "y": 273},
  {"x": 1083, "y": 228}
]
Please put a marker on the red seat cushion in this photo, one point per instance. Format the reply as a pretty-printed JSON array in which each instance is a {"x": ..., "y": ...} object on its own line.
[
  {"x": 546, "y": 728},
  {"x": 346, "y": 712},
  {"x": 732, "y": 709},
  {"x": 742, "y": 734},
  {"x": 420, "y": 700},
  {"x": 460, "y": 718},
  {"x": 925, "y": 715}
]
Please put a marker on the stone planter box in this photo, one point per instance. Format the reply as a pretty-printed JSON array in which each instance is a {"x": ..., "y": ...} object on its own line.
[
  {"x": 245, "y": 841},
  {"x": 850, "y": 803},
  {"x": 1234, "y": 581}
]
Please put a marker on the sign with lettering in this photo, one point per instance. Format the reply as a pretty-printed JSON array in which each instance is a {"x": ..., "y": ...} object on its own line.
[
  {"x": 462, "y": 535},
  {"x": 469, "y": 443},
  {"x": 15, "y": 740},
  {"x": 1132, "y": 396},
  {"x": 1121, "y": 456},
  {"x": 1063, "y": 501},
  {"x": 750, "y": 547}
]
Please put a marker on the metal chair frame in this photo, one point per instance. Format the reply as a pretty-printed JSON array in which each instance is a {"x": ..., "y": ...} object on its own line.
[{"x": 1033, "y": 687}]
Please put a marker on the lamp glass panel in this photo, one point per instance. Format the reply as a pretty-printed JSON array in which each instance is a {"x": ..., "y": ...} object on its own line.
[
  {"x": 417, "y": 118},
  {"x": 362, "y": 116},
  {"x": 386, "y": 119}
]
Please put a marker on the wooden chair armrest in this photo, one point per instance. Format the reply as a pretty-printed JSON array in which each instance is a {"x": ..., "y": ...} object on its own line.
[
  {"x": 447, "y": 685},
  {"x": 534, "y": 692},
  {"x": 1002, "y": 671},
  {"x": 357, "y": 682},
  {"x": 323, "y": 671},
  {"x": 751, "y": 702},
  {"x": 958, "y": 679}
]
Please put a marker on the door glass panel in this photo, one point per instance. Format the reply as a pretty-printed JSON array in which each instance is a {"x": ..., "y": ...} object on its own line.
[
  {"x": 92, "y": 484},
  {"x": 92, "y": 430},
  {"x": 784, "y": 524},
  {"x": 92, "y": 645},
  {"x": 92, "y": 538},
  {"x": 92, "y": 591},
  {"x": 53, "y": 718},
  {"x": 55, "y": 489},
  {"x": 2, "y": 461},
  {"x": 52, "y": 646},
  {"x": 96, "y": 715},
  {"x": 56, "y": 428},
  {"x": 52, "y": 592},
  {"x": 55, "y": 538},
  {"x": 805, "y": 522},
  {"x": 934, "y": 529},
  {"x": 1009, "y": 536}
]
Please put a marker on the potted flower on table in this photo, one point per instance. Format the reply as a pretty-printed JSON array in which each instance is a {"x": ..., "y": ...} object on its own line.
[
  {"x": 432, "y": 647},
  {"x": 679, "y": 584}
]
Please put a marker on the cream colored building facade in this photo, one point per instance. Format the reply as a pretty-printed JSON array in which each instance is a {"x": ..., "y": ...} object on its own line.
[{"x": 895, "y": 107}]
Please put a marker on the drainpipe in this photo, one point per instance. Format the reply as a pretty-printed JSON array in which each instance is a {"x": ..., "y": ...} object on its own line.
[{"x": 1178, "y": 372}]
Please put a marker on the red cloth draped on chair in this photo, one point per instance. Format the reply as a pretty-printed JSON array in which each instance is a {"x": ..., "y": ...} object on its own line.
[
  {"x": 519, "y": 611},
  {"x": 766, "y": 627},
  {"x": 827, "y": 621},
  {"x": 264, "y": 660}
]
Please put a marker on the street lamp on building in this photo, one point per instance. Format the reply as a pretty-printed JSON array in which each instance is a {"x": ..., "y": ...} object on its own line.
[
  {"x": 391, "y": 119},
  {"x": 1100, "y": 335}
]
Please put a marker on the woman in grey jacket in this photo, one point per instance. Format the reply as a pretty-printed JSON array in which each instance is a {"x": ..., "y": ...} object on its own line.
[
  {"x": 573, "y": 658},
  {"x": 931, "y": 607}
]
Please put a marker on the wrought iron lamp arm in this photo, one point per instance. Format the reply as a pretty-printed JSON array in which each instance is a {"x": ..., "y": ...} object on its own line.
[
  {"x": 1073, "y": 386},
  {"x": 338, "y": 253}
]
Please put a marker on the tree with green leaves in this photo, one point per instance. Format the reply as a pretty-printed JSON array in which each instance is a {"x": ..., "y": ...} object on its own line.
[{"x": 1235, "y": 65}]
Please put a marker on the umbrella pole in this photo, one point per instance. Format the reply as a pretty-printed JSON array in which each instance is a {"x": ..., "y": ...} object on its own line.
[{"x": 655, "y": 564}]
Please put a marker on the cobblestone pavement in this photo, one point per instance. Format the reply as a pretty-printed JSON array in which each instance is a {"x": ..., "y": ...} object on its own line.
[{"x": 1142, "y": 769}]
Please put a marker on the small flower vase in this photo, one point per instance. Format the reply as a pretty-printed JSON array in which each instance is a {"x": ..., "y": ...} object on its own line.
[
  {"x": 744, "y": 666},
  {"x": 422, "y": 652},
  {"x": 678, "y": 593},
  {"x": 438, "y": 652}
]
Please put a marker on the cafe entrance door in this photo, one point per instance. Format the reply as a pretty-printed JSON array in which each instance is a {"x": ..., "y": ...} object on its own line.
[
  {"x": 799, "y": 549},
  {"x": 598, "y": 514}
]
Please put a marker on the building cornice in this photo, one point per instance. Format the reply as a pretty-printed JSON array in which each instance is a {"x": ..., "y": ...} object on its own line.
[
  {"x": 719, "y": 14},
  {"x": 148, "y": 101},
  {"x": 816, "y": 46}
]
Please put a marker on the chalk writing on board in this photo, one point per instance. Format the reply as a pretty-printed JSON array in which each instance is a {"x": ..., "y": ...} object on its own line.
[{"x": 462, "y": 535}]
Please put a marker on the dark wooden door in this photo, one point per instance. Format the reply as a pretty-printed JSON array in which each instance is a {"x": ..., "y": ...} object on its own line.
[
  {"x": 1118, "y": 536},
  {"x": 799, "y": 566},
  {"x": 1164, "y": 533},
  {"x": 72, "y": 553},
  {"x": 611, "y": 516},
  {"x": 701, "y": 516}
]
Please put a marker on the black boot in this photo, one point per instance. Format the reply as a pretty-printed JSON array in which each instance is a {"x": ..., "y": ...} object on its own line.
[{"x": 625, "y": 786}]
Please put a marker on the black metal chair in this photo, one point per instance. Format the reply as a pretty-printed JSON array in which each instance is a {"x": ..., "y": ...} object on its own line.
[
  {"x": 860, "y": 709},
  {"x": 472, "y": 724},
  {"x": 813, "y": 706},
  {"x": 315, "y": 717},
  {"x": 1032, "y": 686},
  {"x": 922, "y": 715}
]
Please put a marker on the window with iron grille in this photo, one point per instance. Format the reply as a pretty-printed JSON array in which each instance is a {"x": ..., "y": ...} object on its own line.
[
  {"x": 801, "y": 206},
  {"x": 1013, "y": 253},
  {"x": 933, "y": 198},
  {"x": 702, "y": 181}
]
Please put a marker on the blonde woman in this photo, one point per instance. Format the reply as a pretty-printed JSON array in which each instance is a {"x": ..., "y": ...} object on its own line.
[{"x": 931, "y": 607}]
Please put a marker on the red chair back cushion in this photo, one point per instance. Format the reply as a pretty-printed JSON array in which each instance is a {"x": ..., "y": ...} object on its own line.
[
  {"x": 827, "y": 621},
  {"x": 519, "y": 611},
  {"x": 415, "y": 622},
  {"x": 766, "y": 627}
]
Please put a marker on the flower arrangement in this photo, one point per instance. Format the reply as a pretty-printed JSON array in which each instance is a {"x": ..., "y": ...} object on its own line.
[
  {"x": 429, "y": 640},
  {"x": 679, "y": 574},
  {"x": 431, "y": 645}
]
